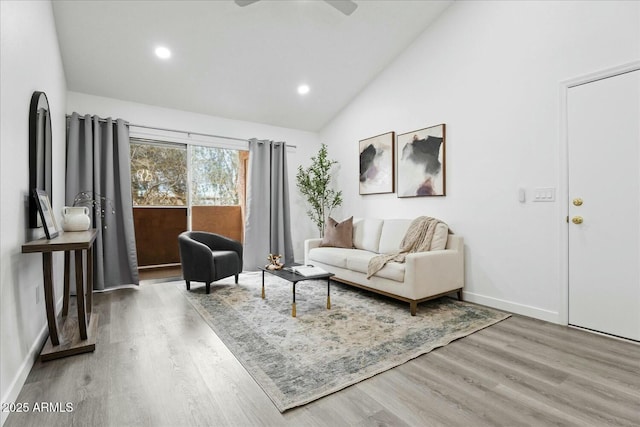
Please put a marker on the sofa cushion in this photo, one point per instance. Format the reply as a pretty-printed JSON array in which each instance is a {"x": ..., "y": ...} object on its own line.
[
  {"x": 393, "y": 231},
  {"x": 330, "y": 256},
  {"x": 359, "y": 261},
  {"x": 440, "y": 237},
  {"x": 366, "y": 233},
  {"x": 338, "y": 234}
]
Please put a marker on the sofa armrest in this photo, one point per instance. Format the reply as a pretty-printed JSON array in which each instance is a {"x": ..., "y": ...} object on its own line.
[
  {"x": 435, "y": 272},
  {"x": 308, "y": 245}
]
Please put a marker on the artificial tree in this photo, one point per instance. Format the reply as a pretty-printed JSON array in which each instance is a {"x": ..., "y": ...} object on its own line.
[{"x": 314, "y": 183}]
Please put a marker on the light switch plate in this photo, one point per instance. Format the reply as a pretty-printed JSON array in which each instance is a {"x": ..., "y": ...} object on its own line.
[
  {"x": 546, "y": 194},
  {"x": 522, "y": 195}
]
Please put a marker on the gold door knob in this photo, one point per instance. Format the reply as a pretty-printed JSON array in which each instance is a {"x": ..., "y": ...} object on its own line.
[
  {"x": 577, "y": 201},
  {"x": 577, "y": 220}
]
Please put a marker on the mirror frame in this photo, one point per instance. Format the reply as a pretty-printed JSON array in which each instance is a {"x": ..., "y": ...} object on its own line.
[{"x": 40, "y": 174}]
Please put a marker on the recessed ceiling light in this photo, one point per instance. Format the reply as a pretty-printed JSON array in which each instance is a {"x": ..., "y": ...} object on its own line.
[
  {"x": 163, "y": 53},
  {"x": 303, "y": 89}
]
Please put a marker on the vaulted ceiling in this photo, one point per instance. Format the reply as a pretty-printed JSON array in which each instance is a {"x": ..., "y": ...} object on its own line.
[{"x": 236, "y": 62}]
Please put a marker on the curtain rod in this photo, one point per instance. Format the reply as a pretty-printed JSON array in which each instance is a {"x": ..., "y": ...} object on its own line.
[
  {"x": 189, "y": 133},
  {"x": 183, "y": 131}
]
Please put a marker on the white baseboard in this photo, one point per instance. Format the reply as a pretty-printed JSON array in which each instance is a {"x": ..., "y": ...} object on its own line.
[
  {"x": 25, "y": 368},
  {"x": 513, "y": 307}
]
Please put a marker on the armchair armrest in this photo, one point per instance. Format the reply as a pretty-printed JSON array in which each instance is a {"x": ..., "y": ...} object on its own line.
[{"x": 196, "y": 259}]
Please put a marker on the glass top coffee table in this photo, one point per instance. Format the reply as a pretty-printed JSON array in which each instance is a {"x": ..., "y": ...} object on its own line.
[{"x": 293, "y": 277}]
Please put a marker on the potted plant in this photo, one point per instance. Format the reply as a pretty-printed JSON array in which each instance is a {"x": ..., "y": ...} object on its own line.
[{"x": 314, "y": 183}]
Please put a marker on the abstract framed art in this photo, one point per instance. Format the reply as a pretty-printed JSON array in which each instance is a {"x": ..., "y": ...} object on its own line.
[
  {"x": 421, "y": 162},
  {"x": 377, "y": 174}
]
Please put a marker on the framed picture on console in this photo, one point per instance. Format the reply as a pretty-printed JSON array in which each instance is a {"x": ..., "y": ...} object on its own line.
[
  {"x": 377, "y": 173},
  {"x": 421, "y": 162},
  {"x": 46, "y": 214}
]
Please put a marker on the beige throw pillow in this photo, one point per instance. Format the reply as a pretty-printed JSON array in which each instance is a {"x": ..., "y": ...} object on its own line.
[{"x": 338, "y": 235}]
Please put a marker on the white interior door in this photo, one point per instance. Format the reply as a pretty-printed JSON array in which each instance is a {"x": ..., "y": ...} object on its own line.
[{"x": 604, "y": 191}]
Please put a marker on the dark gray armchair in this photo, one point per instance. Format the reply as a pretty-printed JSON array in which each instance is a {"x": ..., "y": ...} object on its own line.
[{"x": 207, "y": 257}]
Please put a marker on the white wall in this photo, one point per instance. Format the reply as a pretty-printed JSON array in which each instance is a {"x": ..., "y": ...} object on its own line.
[
  {"x": 307, "y": 143},
  {"x": 491, "y": 71},
  {"x": 30, "y": 61}
]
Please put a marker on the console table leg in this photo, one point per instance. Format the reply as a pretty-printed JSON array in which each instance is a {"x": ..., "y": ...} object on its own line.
[
  {"x": 82, "y": 319},
  {"x": 67, "y": 292},
  {"x": 263, "y": 285},
  {"x": 328, "y": 294},
  {"x": 89, "y": 283},
  {"x": 49, "y": 298}
]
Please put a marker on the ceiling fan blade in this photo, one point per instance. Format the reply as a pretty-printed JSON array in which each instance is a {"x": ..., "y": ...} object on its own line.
[
  {"x": 243, "y": 3},
  {"x": 345, "y": 6}
]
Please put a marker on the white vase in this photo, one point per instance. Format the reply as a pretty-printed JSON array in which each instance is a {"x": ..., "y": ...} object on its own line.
[{"x": 75, "y": 218}]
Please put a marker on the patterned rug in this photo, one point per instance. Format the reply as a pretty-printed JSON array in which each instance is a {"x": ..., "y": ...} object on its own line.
[{"x": 298, "y": 360}]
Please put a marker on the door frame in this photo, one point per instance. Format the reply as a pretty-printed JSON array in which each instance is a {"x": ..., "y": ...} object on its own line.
[{"x": 563, "y": 187}]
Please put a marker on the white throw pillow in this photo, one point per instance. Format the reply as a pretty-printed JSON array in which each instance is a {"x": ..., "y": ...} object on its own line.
[
  {"x": 366, "y": 233},
  {"x": 393, "y": 232},
  {"x": 440, "y": 237}
]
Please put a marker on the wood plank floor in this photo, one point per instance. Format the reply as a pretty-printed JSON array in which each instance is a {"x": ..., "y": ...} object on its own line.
[{"x": 157, "y": 363}]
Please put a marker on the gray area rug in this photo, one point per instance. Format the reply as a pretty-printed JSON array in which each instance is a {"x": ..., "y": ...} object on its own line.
[{"x": 298, "y": 360}]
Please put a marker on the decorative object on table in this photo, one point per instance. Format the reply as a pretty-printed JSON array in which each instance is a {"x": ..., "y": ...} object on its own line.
[
  {"x": 75, "y": 218},
  {"x": 298, "y": 360},
  {"x": 377, "y": 161},
  {"x": 99, "y": 204},
  {"x": 314, "y": 183},
  {"x": 422, "y": 162},
  {"x": 274, "y": 262},
  {"x": 308, "y": 270},
  {"x": 46, "y": 215},
  {"x": 39, "y": 152}
]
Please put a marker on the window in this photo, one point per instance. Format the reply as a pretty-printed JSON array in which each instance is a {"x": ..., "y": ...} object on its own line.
[
  {"x": 214, "y": 176},
  {"x": 158, "y": 174},
  {"x": 184, "y": 186}
]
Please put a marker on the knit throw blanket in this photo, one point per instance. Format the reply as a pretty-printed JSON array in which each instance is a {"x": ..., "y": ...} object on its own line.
[{"x": 417, "y": 239}]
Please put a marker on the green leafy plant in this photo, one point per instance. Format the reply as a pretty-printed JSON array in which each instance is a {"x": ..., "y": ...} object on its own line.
[{"x": 314, "y": 183}]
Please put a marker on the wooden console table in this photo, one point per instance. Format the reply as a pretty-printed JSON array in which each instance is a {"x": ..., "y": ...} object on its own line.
[{"x": 68, "y": 340}]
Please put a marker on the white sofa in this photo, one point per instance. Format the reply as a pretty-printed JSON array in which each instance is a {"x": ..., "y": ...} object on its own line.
[{"x": 424, "y": 275}]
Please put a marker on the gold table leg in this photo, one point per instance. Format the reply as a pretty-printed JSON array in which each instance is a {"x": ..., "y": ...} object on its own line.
[{"x": 293, "y": 309}]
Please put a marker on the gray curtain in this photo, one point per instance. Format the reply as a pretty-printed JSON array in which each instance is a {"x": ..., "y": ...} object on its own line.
[
  {"x": 267, "y": 223},
  {"x": 98, "y": 164}
]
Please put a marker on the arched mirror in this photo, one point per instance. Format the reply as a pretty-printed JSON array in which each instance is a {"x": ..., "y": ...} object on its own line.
[{"x": 39, "y": 152}]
